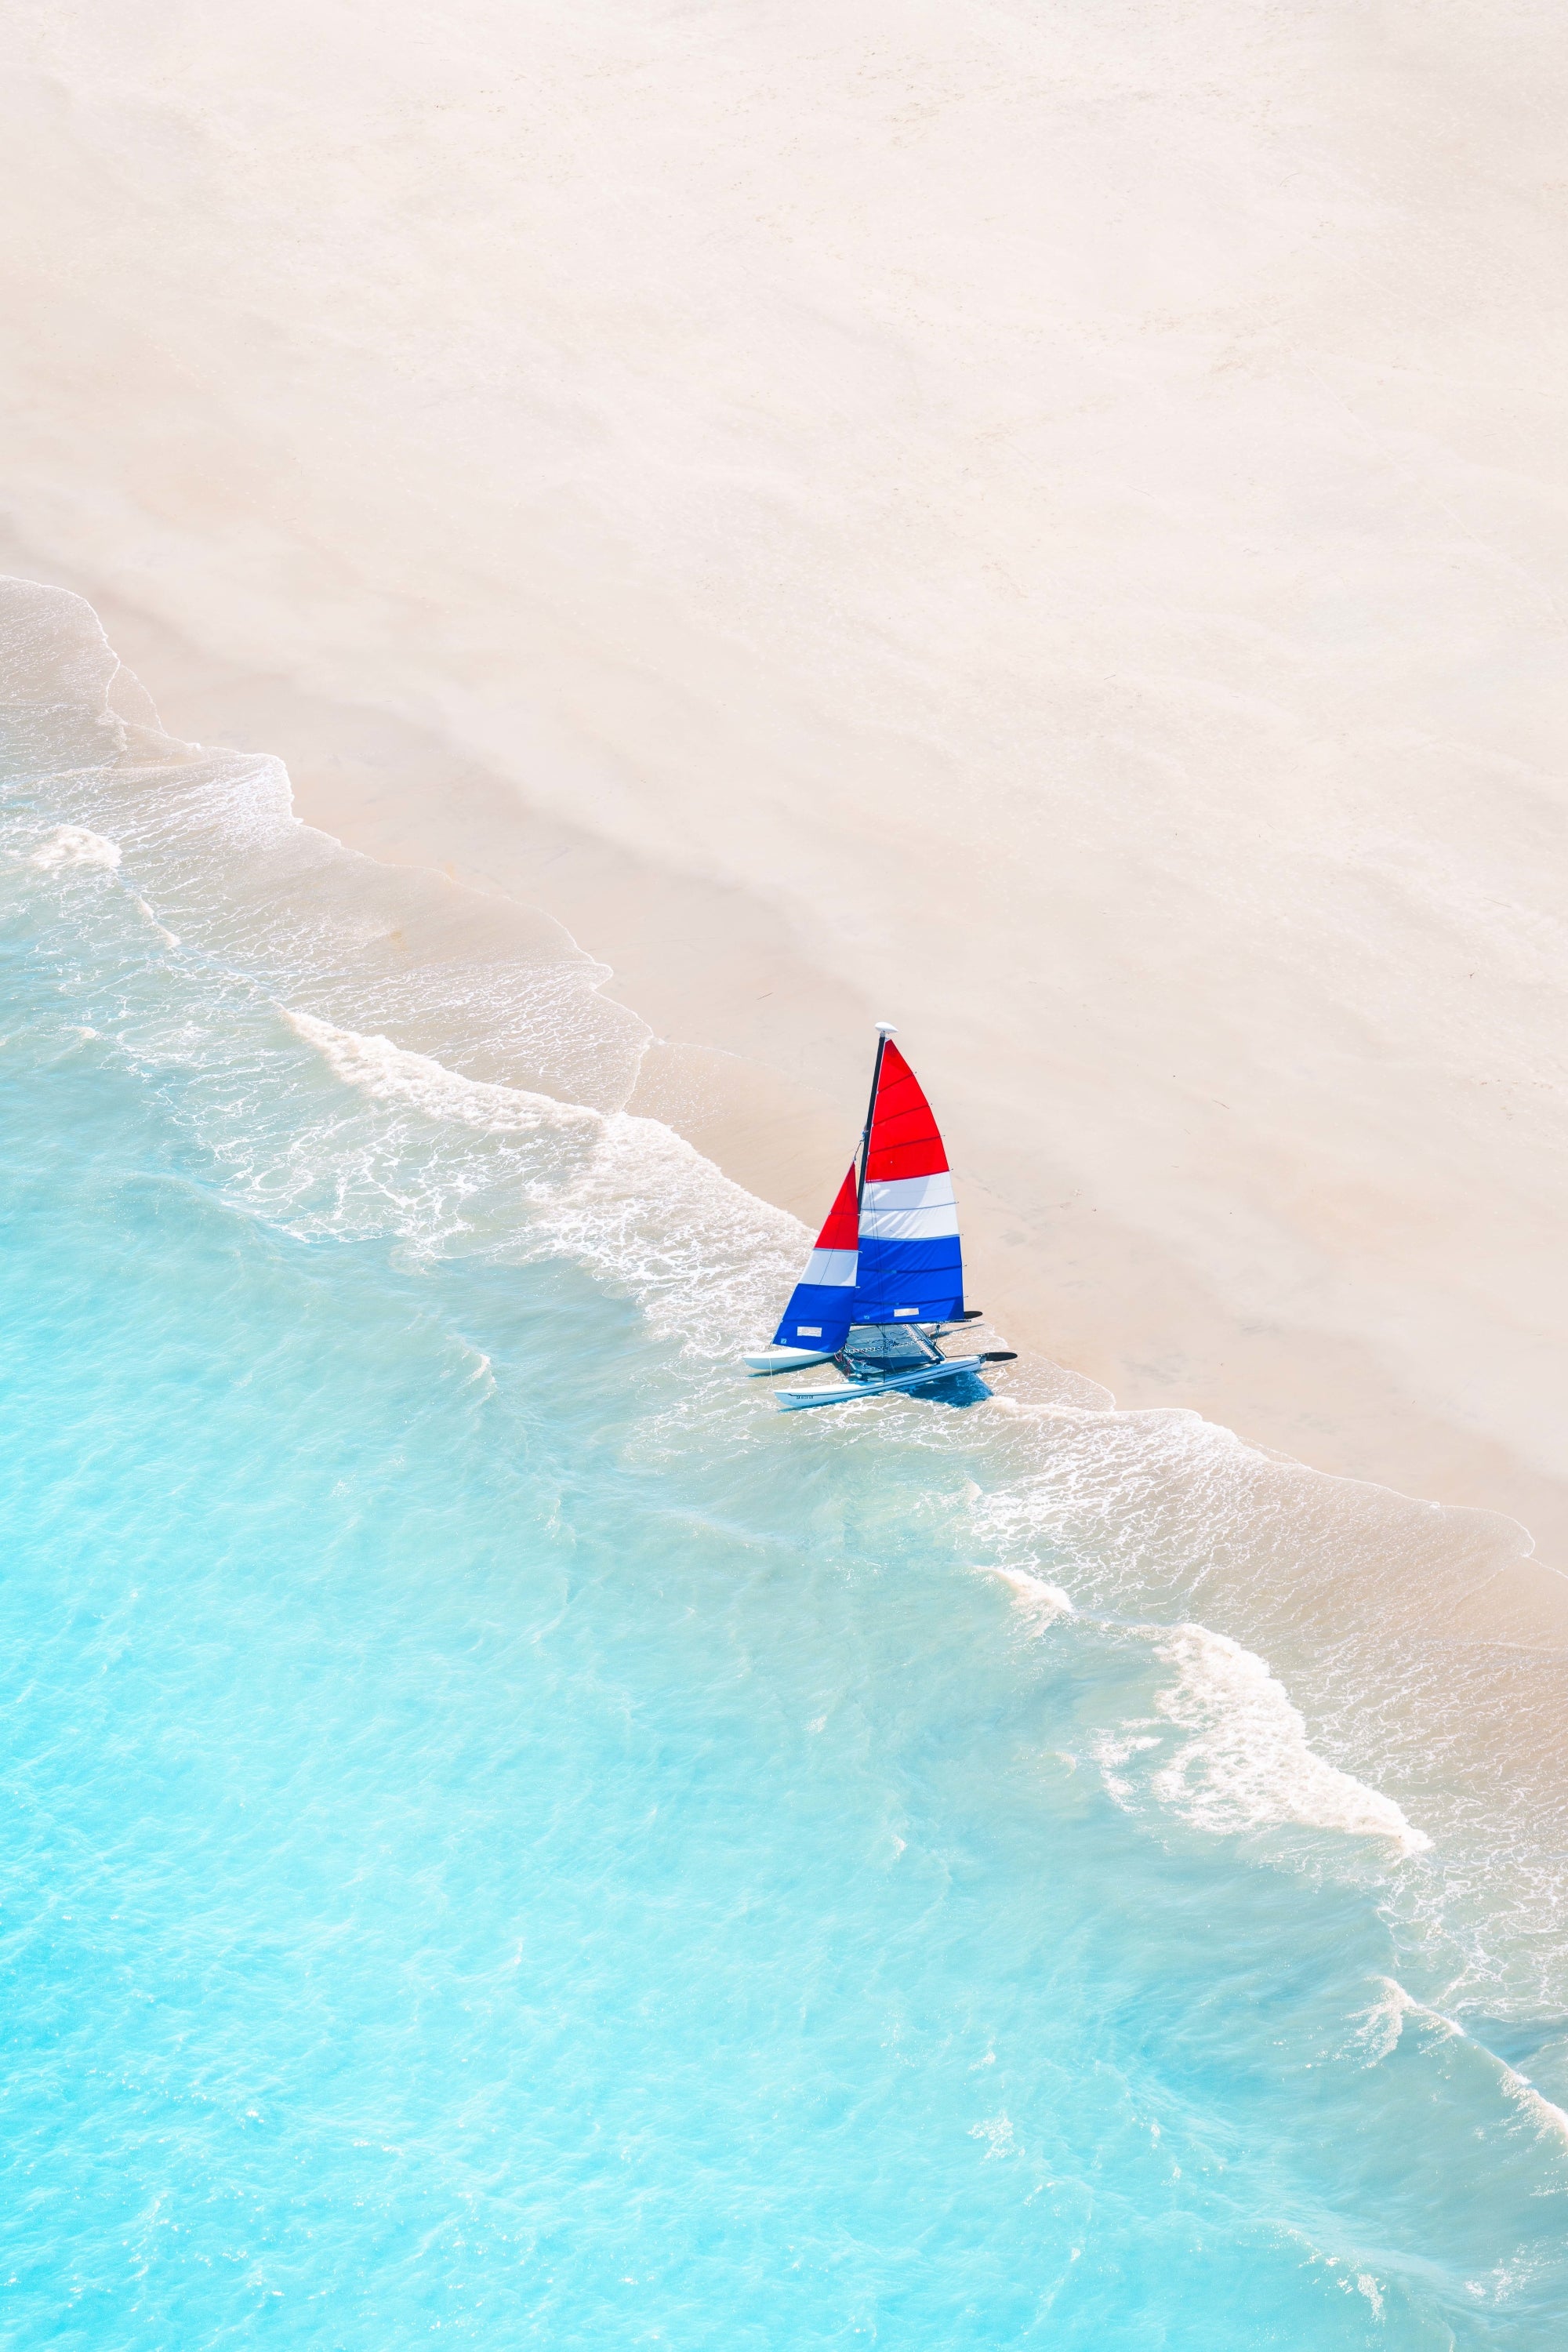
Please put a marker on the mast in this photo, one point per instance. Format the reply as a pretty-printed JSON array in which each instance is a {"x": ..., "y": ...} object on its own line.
[{"x": 885, "y": 1029}]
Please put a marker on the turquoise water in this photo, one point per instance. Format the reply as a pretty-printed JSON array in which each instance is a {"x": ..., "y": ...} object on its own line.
[{"x": 507, "y": 1838}]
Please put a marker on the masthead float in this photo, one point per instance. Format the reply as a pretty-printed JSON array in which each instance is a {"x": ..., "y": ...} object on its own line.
[{"x": 886, "y": 1279}]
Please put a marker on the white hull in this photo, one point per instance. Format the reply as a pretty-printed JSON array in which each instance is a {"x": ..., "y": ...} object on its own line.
[
  {"x": 799, "y": 1400},
  {"x": 784, "y": 1360}
]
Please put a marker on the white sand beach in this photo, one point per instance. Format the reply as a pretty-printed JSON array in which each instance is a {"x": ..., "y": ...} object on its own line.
[{"x": 1048, "y": 525}]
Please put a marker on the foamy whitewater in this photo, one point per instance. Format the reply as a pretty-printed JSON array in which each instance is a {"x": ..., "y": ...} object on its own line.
[{"x": 508, "y": 1837}]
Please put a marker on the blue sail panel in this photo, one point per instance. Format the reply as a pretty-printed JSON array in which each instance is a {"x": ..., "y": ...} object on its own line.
[
  {"x": 909, "y": 1281},
  {"x": 819, "y": 1317},
  {"x": 911, "y": 1264}
]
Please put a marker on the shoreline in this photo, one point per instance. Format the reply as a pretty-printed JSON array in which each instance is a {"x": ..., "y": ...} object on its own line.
[
  {"x": 383, "y": 787},
  {"x": 1045, "y": 531}
]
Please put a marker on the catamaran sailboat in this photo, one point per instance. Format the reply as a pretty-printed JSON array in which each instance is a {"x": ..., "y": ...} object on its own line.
[{"x": 886, "y": 1279}]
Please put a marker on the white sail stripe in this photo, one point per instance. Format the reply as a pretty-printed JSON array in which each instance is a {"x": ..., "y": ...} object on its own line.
[
  {"x": 910, "y": 1224},
  {"x": 909, "y": 1193},
  {"x": 834, "y": 1269}
]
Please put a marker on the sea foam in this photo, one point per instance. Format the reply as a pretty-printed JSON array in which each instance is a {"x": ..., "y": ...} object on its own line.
[{"x": 1245, "y": 1761}]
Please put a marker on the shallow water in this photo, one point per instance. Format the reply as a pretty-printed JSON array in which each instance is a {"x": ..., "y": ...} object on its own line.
[{"x": 507, "y": 1835}]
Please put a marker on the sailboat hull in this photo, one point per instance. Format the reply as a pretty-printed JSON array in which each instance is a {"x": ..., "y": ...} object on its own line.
[
  {"x": 787, "y": 1360},
  {"x": 949, "y": 1367}
]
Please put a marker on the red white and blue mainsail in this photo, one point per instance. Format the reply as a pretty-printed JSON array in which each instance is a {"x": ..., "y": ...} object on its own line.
[
  {"x": 889, "y": 1251},
  {"x": 912, "y": 1267}
]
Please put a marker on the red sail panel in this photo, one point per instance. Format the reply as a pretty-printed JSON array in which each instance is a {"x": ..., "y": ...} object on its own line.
[
  {"x": 842, "y": 1231},
  {"x": 904, "y": 1137}
]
